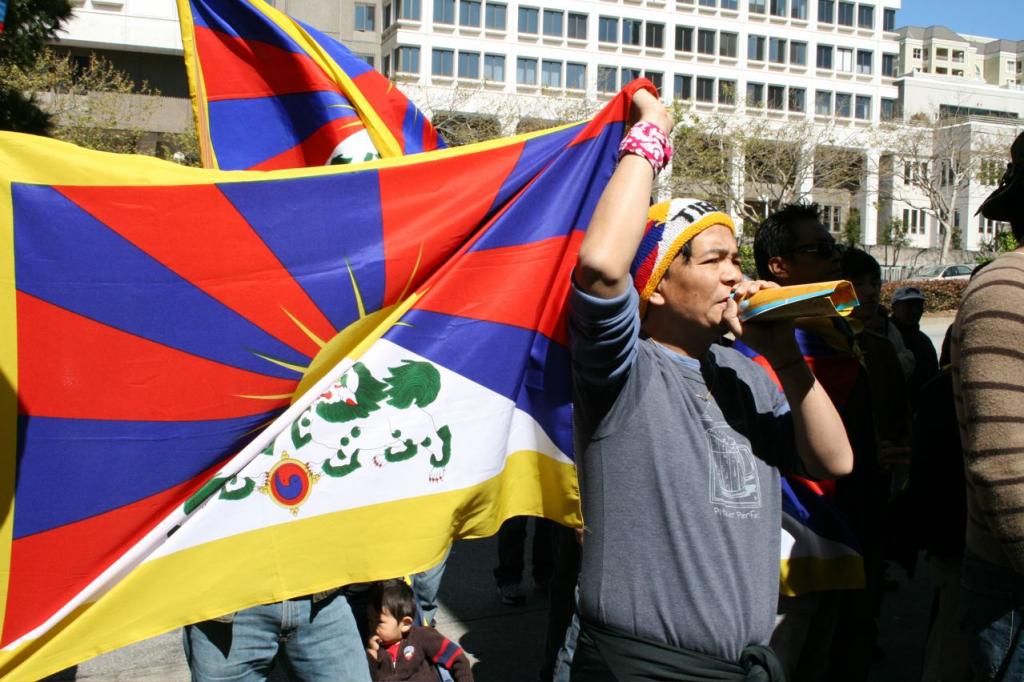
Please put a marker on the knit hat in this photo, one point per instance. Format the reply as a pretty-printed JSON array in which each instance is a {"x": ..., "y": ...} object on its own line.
[{"x": 670, "y": 225}]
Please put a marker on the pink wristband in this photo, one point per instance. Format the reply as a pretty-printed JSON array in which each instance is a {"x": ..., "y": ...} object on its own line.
[{"x": 646, "y": 139}]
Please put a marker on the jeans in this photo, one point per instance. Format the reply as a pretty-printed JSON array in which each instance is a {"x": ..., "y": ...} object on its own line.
[
  {"x": 426, "y": 585},
  {"x": 991, "y": 614},
  {"x": 313, "y": 641}
]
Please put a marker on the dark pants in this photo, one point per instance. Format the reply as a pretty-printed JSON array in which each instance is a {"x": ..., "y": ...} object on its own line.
[
  {"x": 512, "y": 545},
  {"x": 991, "y": 616},
  {"x": 561, "y": 594}
]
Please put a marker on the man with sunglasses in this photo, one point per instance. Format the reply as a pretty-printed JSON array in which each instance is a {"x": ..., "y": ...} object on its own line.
[{"x": 827, "y": 630}]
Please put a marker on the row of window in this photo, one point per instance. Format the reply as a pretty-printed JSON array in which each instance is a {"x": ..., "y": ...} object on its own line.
[
  {"x": 915, "y": 221},
  {"x": 531, "y": 71},
  {"x": 558, "y": 23}
]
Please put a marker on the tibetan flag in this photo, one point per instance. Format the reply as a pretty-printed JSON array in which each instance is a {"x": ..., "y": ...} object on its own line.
[
  {"x": 270, "y": 92},
  {"x": 229, "y": 388},
  {"x": 3, "y": 14},
  {"x": 820, "y": 550}
]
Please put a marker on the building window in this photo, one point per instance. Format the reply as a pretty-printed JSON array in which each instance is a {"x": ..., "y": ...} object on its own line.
[
  {"x": 575, "y": 76},
  {"x": 844, "y": 104},
  {"x": 494, "y": 67},
  {"x": 844, "y": 59},
  {"x": 444, "y": 11},
  {"x": 941, "y": 53},
  {"x": 632, "y": 31},
  {"x": 386, "y": 12},
  {"x": 826, "y": 11},
  {"x": 941, "y": 70},
  {"x": 607, "y": 79},
  {"x": 629, "y": 75},
  {"x": 469, "y": 13},
  {"x": 777, "y": 7},
  {"x": 798, "y": 53},
  {"x": 755, "y": 48},
  {"x": 528, "y": 19},
  {"x": 797, "y": 99},
  {"x": 726, "y": 92},
  {"x": 846, "y": 13},
  {"x": 708, "y": 3},
  {"x": 655, "y": 35},
  {"x": 705, "y": 89},
  {"x": 823, "y": 103},
  {"x": 705, "y": 41},
  {"x": 889, "y": 20},
  {"x": 865, "y": 16},
  {"x": 960, "y": 72},
  {"x": 727, "y": 44},
  {"x": 386, "y": 65},
  {"x": 368, "y": 58},
  {"x": 776, "y": 97},
  {"x": 825, "y": 56},
  {"x": 777, "y": 50},
  {"x": 577, "y": 26},
  {"x": 798, "y": 9},
  {"x": 365, "y": 15},
  {"x": 409, "y": 9},
  {"x": 442, "y": 63},
  {"x": 684, "y": 39},
  {"x": 551, "y": 74},
  {"x": 832, "y": 217},
  {"x": 756, "y": 6},
  {"x": 888, "y": 109},
  {"x": 889, "y": 65},
  {"x": 469, "y": 65},
  {"x": 407, "y": 59},
  {"x": 917, "y": 53},
  {"x": 495, "y": 16},
  {"x": 864, "y": 61},
  {"x": 682, "y": 87},
  {"x": 608, "y": 29},
  {"x": 863, "y": 110},
  {"x": 553, "y": 23},
  {"x": 755, "y": 95},
  {"x": 958, "y": 56},
  {"x": 526, "y": 71},
  {"x": 733, "y": 5},
  {"x": 657, "y": 78}
]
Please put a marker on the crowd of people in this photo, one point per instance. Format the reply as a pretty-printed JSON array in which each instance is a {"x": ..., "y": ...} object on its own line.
[{"x": 706, "y": 420}]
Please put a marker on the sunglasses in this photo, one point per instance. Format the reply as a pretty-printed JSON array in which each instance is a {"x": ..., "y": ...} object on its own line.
[{"x": 823, "y": 249}]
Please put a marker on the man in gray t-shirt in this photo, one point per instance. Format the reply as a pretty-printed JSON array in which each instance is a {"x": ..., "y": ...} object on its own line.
[{"x": 680, "y": 441}]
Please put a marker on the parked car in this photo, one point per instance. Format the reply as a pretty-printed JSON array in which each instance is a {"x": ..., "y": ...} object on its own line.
[{"x": 944, "y": 271}]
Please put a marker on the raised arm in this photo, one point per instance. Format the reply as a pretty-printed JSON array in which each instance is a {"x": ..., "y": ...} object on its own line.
[{"x": 618, "y": 222}]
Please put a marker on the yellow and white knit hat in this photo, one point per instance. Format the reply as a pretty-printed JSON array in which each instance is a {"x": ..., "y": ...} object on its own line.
[{"x": 670, "y": 225}]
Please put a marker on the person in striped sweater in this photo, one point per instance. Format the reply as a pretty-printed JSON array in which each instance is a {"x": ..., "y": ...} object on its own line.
[{"x": 988, "y": 382}]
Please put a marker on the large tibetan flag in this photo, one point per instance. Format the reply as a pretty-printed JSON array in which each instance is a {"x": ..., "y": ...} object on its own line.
[
  {"x": 819, "y": 550},
  {"x": 270, "y": 92},
  {"x": 227, "y": 388}
]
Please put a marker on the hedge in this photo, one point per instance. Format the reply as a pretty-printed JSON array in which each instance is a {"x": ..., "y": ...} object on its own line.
[{"x": 940, "y": 295}]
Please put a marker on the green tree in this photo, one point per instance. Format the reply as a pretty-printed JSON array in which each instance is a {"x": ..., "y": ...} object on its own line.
[
  {"x": 28, "y": 26},
  {"x": 851, "y": 228},
  {"x": 894, "y": 235}
]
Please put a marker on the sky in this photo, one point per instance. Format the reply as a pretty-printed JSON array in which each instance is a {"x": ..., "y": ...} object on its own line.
[{"x": 992, "y": 18}]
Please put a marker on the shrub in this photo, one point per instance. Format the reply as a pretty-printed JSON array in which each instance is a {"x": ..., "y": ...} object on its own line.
[{"x": 940, "y": 295}]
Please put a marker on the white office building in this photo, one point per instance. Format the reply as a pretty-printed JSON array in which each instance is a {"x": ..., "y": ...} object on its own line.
[{"x": 835, "y": 64}]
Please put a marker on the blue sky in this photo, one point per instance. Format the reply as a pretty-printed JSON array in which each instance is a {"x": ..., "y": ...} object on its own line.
[{"x": 993, "y": 18}]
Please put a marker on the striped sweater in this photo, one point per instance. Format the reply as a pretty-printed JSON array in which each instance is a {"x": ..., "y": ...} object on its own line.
[{"x": 988, "y": 379}]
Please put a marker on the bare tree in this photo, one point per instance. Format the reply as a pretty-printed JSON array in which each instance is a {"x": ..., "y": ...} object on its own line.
[
  {"x": 931, "y": 163},
  {"x": 752, "y": 166}
]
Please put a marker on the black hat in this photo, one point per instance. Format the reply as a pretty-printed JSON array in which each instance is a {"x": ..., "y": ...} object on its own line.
[{"x": 1007, "y": 201}]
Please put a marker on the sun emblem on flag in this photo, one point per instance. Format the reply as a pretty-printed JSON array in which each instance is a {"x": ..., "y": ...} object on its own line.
[{"x": 289, "y": 483}]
